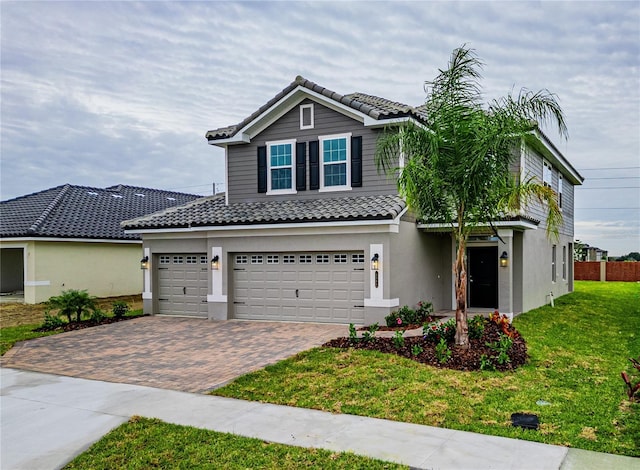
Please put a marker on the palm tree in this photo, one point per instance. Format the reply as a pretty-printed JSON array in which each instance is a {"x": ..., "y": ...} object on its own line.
[
  {"x": 73, "y": 301},
  {"x": 456, "y": 167}
]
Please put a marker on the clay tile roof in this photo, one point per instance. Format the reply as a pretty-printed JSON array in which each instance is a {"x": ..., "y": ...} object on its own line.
[
  {"x": 71, "y": 211},
  {"x": 212, "y": 211},
  {"x": 373, "y": 106}
]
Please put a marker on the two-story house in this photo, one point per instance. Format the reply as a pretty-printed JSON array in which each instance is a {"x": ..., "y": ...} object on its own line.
[{"x": 309, "y": 230}]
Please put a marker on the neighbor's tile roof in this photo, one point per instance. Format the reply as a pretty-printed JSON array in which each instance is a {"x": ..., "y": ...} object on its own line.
[
  {"x": 212, "y": 211},
  {"x": 373, "y": 106},
  {"x": 70, "y": 211}
]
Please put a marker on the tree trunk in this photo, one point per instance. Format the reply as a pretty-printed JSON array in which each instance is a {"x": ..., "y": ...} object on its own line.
[{"x": 460, "y": 271}]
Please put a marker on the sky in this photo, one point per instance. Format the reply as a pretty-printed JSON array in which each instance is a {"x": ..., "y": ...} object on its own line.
[{"x": 104, "y": 93}]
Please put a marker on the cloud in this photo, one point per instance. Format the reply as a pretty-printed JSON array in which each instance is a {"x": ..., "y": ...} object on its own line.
[{"x": 100, "y": 93}]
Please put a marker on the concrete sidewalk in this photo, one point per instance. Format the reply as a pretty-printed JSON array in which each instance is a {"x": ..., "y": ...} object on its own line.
[{"x": 46, "y": 420}]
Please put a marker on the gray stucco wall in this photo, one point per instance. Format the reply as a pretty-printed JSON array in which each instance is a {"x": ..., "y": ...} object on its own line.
[
  {"x": 420, "y": 267},
  {"x": 315, "y": 240},
  {"x": 537, "y": 271},
  {"x": 242, "y": 158}
]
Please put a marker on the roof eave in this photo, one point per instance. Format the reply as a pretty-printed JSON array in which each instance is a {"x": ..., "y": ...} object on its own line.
[
  {"x": 551, "y": 152},
  {"x": 274, "y": 112},
  {"x": 521, "y": 224}
]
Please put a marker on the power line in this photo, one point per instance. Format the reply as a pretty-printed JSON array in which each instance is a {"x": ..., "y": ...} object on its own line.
[
  {"x": 610, "y": 168},
  {"x": 610, "y": 187},
  {"x": 614, "y": 178}
]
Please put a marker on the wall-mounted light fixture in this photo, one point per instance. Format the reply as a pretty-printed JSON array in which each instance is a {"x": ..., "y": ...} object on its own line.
[
  {"x": 144, "y": 263},
  {"x": 215, "y": 263},
  {"x": 375, "y": 262},
  {"x": 504, "y": 259}
]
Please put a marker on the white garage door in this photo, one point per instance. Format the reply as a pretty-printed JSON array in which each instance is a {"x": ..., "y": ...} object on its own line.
[
  {"x": 182, "y": 284},
  {"x": 315, "y": 287}
]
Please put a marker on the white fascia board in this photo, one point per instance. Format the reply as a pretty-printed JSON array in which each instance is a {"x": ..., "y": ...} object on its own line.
[
  {"x": 552, "y": 153},
  {"x": 238, "y": 138},
  {"x": 76, "y": 240},
  {"x": 517, "y": 224},
  {"x": 371, "y": 122}
]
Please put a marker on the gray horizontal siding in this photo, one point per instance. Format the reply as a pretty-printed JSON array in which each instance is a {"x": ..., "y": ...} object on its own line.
[
  {"x": 242, "y": 160},
  {"x": 533, "y": 167}
]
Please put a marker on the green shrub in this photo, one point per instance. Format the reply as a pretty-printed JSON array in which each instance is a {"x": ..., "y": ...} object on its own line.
[
  {"x": 408, "y": 316},
  {"x": 120, "y": 309},
  {"x": 423, "y": 311},
  {"x": 443, "y": 353},
  {"x": 71, "y": 302},
  {"x": 416, "y": 349},
  {"x": 371, "y": 333},
  {"x": 476, "y": 327},
  {"x": 97, "y": 315},
  {"x": 398, "y": 339},
  {"x": 51, "y": 322},
  {"x": 501, "y": 348},
  {"x": 434, "y": 332},
  {"x": 353, "y": 333}
]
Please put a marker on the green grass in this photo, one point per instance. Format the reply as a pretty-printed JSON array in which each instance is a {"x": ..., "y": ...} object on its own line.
[
  {"x": 577, "y": 351},
  {"x": 149, "y": 443},
  {"x": 12, "y": 334}
]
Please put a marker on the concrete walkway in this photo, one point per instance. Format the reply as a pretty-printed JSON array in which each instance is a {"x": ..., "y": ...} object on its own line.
[{"x": 47, "y": 419}]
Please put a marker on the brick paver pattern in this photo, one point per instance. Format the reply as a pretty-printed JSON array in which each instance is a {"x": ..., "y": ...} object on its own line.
[{"x": 187, "y": 354}]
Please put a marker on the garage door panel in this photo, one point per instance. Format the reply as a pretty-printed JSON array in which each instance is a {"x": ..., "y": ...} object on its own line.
[
  {"x": 322, "y": 287},
  {"x": 182, "y": 287}
]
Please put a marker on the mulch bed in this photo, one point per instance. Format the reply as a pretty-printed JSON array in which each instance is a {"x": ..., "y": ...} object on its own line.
[
  {"x": 412, "y": 326},
  {"x": 461, "y": 359},
  {"x": 89, "y": 323}
]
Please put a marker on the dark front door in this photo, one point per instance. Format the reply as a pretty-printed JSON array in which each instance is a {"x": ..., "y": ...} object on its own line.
[{"x": 483, "y": 277}]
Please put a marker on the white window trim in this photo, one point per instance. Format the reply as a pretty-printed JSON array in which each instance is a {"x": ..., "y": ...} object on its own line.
[
  {"x": 347, "y": 186},
  {"x": 291, "y": 190},
  {"x": 554, "y": 257},
  {"x": 302, "y": 108}
]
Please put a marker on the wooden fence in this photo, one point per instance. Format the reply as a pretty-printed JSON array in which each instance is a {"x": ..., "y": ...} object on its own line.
[{"x": 606, "y": 271}]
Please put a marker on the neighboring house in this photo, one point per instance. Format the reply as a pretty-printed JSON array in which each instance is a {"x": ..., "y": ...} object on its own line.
[
  {"x": 593, "y": 253},
  {"x": 69, "y": 237},
  {"x": 309, "y": 230}
]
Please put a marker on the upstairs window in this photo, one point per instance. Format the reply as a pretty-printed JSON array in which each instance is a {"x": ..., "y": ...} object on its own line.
[
  {"x": 560, "y": 183},
  {"x": 546, "y": 173},
  {"x": 280, "y": 159},
  {"x": 306, "y": 116},
  {"x": 335, "y": 152}
]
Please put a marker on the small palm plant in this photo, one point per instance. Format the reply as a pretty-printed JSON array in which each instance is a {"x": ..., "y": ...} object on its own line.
[{"x": 71, "y": 302}]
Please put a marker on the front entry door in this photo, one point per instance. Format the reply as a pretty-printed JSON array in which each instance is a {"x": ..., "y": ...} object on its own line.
[{"x": 483, "y": 277}]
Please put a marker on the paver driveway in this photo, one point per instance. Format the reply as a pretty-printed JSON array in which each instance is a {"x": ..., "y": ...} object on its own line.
[{"x": 187, "y": 354}]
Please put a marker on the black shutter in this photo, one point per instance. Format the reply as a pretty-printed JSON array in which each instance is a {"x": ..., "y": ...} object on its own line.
[
  {"x": 314, "y": 164},
  {"x": 262, "y": 169},
  {"x": 301, "y": 166},
  {"x": 356, "y": 162}
]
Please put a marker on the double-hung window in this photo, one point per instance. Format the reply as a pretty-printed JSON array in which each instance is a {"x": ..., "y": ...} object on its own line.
[
  {"x": 560, "y": 184},
  {"x": 335, "y": 162},
  {"x": 281, "y": 158},
  {"x": 546, "y": 173}
]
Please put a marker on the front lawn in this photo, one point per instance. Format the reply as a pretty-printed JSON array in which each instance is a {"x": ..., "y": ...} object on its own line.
[
  {"x": 149, "y": 443},
  {"x": 572, "y": 380},
  {"x": 10, "y": 335}
]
